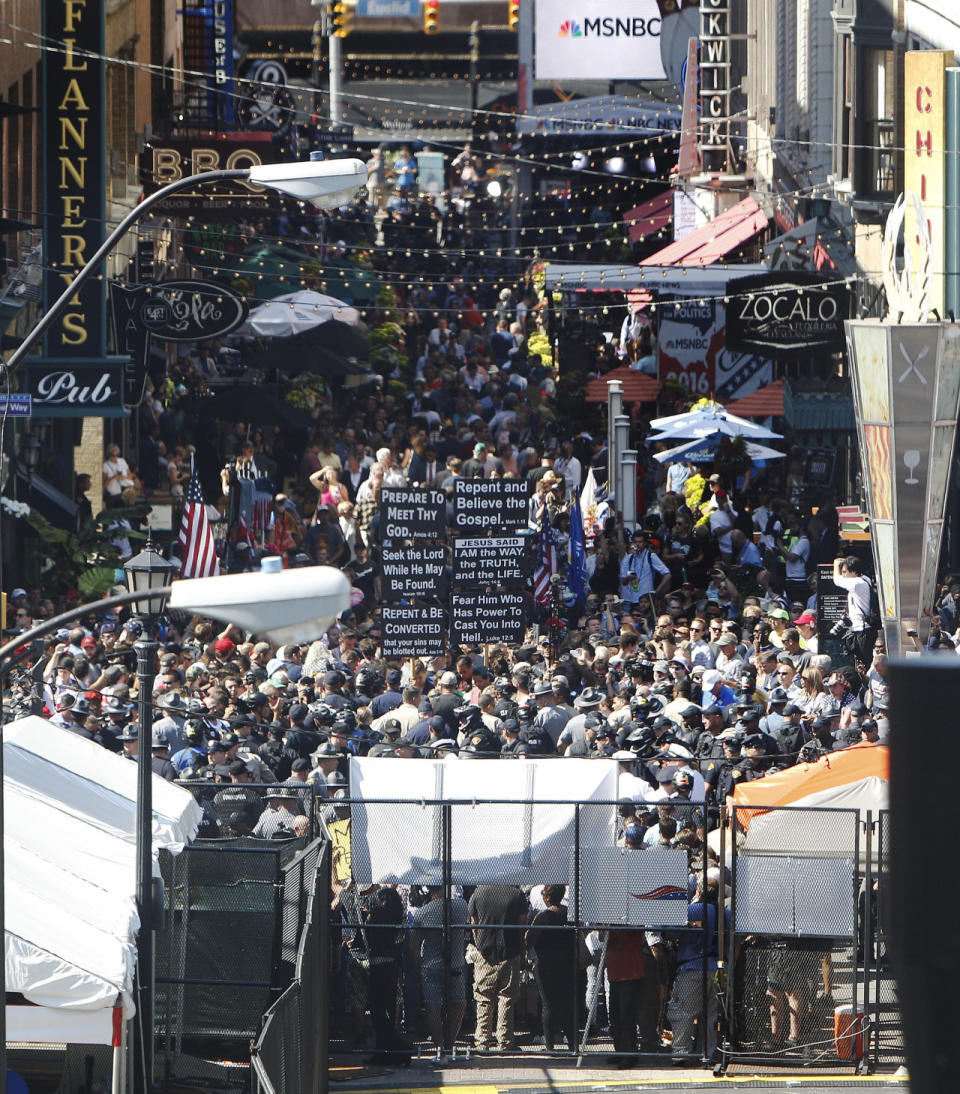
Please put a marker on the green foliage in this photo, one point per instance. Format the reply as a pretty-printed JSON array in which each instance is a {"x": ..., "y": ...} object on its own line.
[{"x": 85, "y": 559}]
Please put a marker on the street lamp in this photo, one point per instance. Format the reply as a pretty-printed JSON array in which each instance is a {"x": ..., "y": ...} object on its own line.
[
  {"x": 146, "y": 572},
  {"x": 29, "y": 452}
]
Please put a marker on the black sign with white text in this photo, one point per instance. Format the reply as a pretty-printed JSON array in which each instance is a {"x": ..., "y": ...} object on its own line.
[
  {"x": 409, "y": 572},
  {"x": 476, "y": 618},
  {"x": 787, "y": 314},
  {"x": 70, "y": 388},
  {"x": 495, "y": 560},
  {"x": 407, "y": 512},
  {"x": 484, "y": 505},
  {"x": 412, "y": 632}
]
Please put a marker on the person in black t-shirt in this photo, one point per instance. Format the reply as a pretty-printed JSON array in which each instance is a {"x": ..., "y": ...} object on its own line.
[{"x": 496, "y": 965}]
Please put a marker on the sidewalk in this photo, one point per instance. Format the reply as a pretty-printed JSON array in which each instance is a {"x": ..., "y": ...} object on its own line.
[{"x": 499, "y": 1076}]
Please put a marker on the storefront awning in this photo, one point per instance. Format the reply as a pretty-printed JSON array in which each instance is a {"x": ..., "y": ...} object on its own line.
[
  {"x": 765, "y": 402},
  {"x": 637, "y": 386},
  {"x": 679, "y": 280},
  {"x": 649, "y": 218},
  {"x": 713, "y": 241}
]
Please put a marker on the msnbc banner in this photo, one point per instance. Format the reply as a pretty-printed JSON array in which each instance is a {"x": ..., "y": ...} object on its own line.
[{"x": 578, "y": 39}]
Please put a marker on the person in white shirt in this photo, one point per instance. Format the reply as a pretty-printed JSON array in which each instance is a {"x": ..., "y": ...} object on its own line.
[
  {"x": 568, "y": 466},
  {"x": 721, "y": 523},
  {"x": 117, "y": 475},
  {"x": 848, "y": 575},
  {"x": 392, "y": 474}
]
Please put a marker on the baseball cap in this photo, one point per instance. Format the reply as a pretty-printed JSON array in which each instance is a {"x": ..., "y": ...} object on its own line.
[
  {"x": 806, "y": 617},
  {"x": 18, "y": 592},
  {"x": 731, "y": 734},
  {"x": 448, "y": 680},
  {"x": 624, "y": 755},
  {"x": 300, "y": 765},
  {"x": 710, "y": 679},
  {"x": 224, "y": 645},
  {"x": 777, "y": 613},
  {"x": 713, "y": 708}
]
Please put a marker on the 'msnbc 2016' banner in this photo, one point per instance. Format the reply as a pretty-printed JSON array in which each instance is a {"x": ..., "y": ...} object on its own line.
[{"x": 584, "y": 39}]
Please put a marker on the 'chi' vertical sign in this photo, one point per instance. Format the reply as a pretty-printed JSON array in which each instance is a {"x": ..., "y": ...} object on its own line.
[
  {"x": 74, "y": 170},
  {"x": 924, "y": 156}
]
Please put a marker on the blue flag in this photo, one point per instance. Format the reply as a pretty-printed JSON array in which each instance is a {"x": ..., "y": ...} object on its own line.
[{"x": 577, "y": 571}]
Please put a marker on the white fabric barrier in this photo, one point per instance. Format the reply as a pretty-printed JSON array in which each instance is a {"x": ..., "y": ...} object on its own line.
[
  {"x": 70, "y": 869},
  {"x": 521, "y": 838}
]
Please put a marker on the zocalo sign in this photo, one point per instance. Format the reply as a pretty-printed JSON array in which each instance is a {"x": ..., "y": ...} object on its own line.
[{"x": 787, "y": 315}]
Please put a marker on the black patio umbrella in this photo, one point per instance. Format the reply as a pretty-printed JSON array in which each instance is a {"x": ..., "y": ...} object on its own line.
[
  {"x": 291, "y": 356},
  {"x": 260, "y": 404}
]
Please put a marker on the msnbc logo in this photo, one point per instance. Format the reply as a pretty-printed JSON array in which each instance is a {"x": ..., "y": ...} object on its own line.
[{"x": 569, "y": 29}]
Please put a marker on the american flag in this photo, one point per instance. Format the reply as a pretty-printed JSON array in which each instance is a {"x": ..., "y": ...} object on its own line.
[
  {"x": 196, "y": 540},
  {"x": 547, "y": 562}
]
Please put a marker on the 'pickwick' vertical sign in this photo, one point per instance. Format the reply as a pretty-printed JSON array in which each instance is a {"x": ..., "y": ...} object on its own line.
[{"x": 74, "y": 170}]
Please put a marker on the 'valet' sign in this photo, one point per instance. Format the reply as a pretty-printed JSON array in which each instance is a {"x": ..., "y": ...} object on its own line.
[
  {"x": 71, "y": 388},
  {"x": 787, "y": 314},
  {"x": 175, "y": 311}
]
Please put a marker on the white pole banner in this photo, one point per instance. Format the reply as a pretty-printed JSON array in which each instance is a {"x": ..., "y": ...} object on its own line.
[{"x": 598, "y": 39}]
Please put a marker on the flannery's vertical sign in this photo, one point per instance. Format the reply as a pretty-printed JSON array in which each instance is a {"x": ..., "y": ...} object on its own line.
[{"x": 74, "y": 162}]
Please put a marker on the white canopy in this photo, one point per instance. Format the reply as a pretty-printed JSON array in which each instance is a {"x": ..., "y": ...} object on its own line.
[{"x": 70, "y": 872}]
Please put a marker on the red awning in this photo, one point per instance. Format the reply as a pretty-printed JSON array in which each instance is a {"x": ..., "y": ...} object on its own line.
[
  {"x": 649, "y": 218},
  {"x": 638, "y": 387},
  {"x": 765, "y": 402},
  {"x": 713, "y": 241}
]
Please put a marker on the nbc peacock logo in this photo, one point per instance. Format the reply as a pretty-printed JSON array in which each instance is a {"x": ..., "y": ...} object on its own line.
[{"x": 570, "y": 28}]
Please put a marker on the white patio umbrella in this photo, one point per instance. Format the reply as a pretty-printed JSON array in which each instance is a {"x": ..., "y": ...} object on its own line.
[
  {"x": 704, "y": 423},
  {"x": 296, "y": 312},
  {"x": 702, "y": 450}
]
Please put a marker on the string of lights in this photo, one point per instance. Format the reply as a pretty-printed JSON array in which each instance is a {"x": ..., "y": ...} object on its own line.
[{"x": 201, "y": 80}]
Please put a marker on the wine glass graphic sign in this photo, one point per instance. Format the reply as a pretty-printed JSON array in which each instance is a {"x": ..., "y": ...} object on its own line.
[{"x": 912, "y": 459}]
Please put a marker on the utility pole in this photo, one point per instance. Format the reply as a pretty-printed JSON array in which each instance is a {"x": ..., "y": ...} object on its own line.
[
  {"x": 474, "y": 73},
  {"x": 335, "y": 76},
  {"x": 524, "y": 108}
]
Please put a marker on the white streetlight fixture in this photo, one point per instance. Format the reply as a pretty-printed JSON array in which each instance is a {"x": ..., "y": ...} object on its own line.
[
  {"x": 288, "y": 606},
  {"x": 315, "y": 179}
]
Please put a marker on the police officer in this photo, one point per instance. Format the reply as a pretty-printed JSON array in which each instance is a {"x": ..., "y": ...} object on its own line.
[
  {"x": 160, "y": 758},
  {"x": 733, "y": 770}
]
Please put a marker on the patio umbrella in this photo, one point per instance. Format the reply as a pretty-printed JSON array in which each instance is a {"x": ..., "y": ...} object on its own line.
[
  {"x": 260, "y": 404},
  {"x": 313, "y": 359},
  {"x": 701, "y": 424},
  {"x": 703, "y": 450},
  {"x": 296, "y": 312}
]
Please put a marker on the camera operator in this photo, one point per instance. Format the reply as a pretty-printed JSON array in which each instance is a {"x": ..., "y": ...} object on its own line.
[{"x": 847, "y": 574}]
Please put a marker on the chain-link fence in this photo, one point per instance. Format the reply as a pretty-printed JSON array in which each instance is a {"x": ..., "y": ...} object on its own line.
[
  {"x": 600, "y": 943},
  {"x": 235, "y": 911},
  {"x": 805, "y": 983}
]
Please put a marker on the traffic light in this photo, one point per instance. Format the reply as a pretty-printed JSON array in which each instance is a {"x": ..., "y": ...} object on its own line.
[
  {"x": 431, "y": 16},
  {"x": 513, "y": 14},
  {"x": 341, "y": 18}
]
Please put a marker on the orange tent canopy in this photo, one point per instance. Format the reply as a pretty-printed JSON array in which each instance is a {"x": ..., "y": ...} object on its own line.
[
  {"x": 791, "y": 787},
  {"x": 766, "y": 402}
]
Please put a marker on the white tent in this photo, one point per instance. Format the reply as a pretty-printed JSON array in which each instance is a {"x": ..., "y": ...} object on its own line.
[{"x": 70, "y": 880}]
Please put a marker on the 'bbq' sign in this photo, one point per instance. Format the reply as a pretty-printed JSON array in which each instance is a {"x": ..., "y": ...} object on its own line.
[
  {"x": 410, "y": 572},
  {"x": 476, "y": 618},
  {"x": 787, "y": 314},
  {"x": 409, "y": 513},
  {"x": 412, "y": 632},
  {"x": 496, "y": 560},
  {"x": 482, "y": 505}
]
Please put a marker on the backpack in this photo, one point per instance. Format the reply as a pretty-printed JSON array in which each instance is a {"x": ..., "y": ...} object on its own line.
[{"x": 873, "y": 618}]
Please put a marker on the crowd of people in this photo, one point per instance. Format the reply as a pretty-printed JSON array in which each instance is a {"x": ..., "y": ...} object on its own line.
[{"x": 691, "y": 659}]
